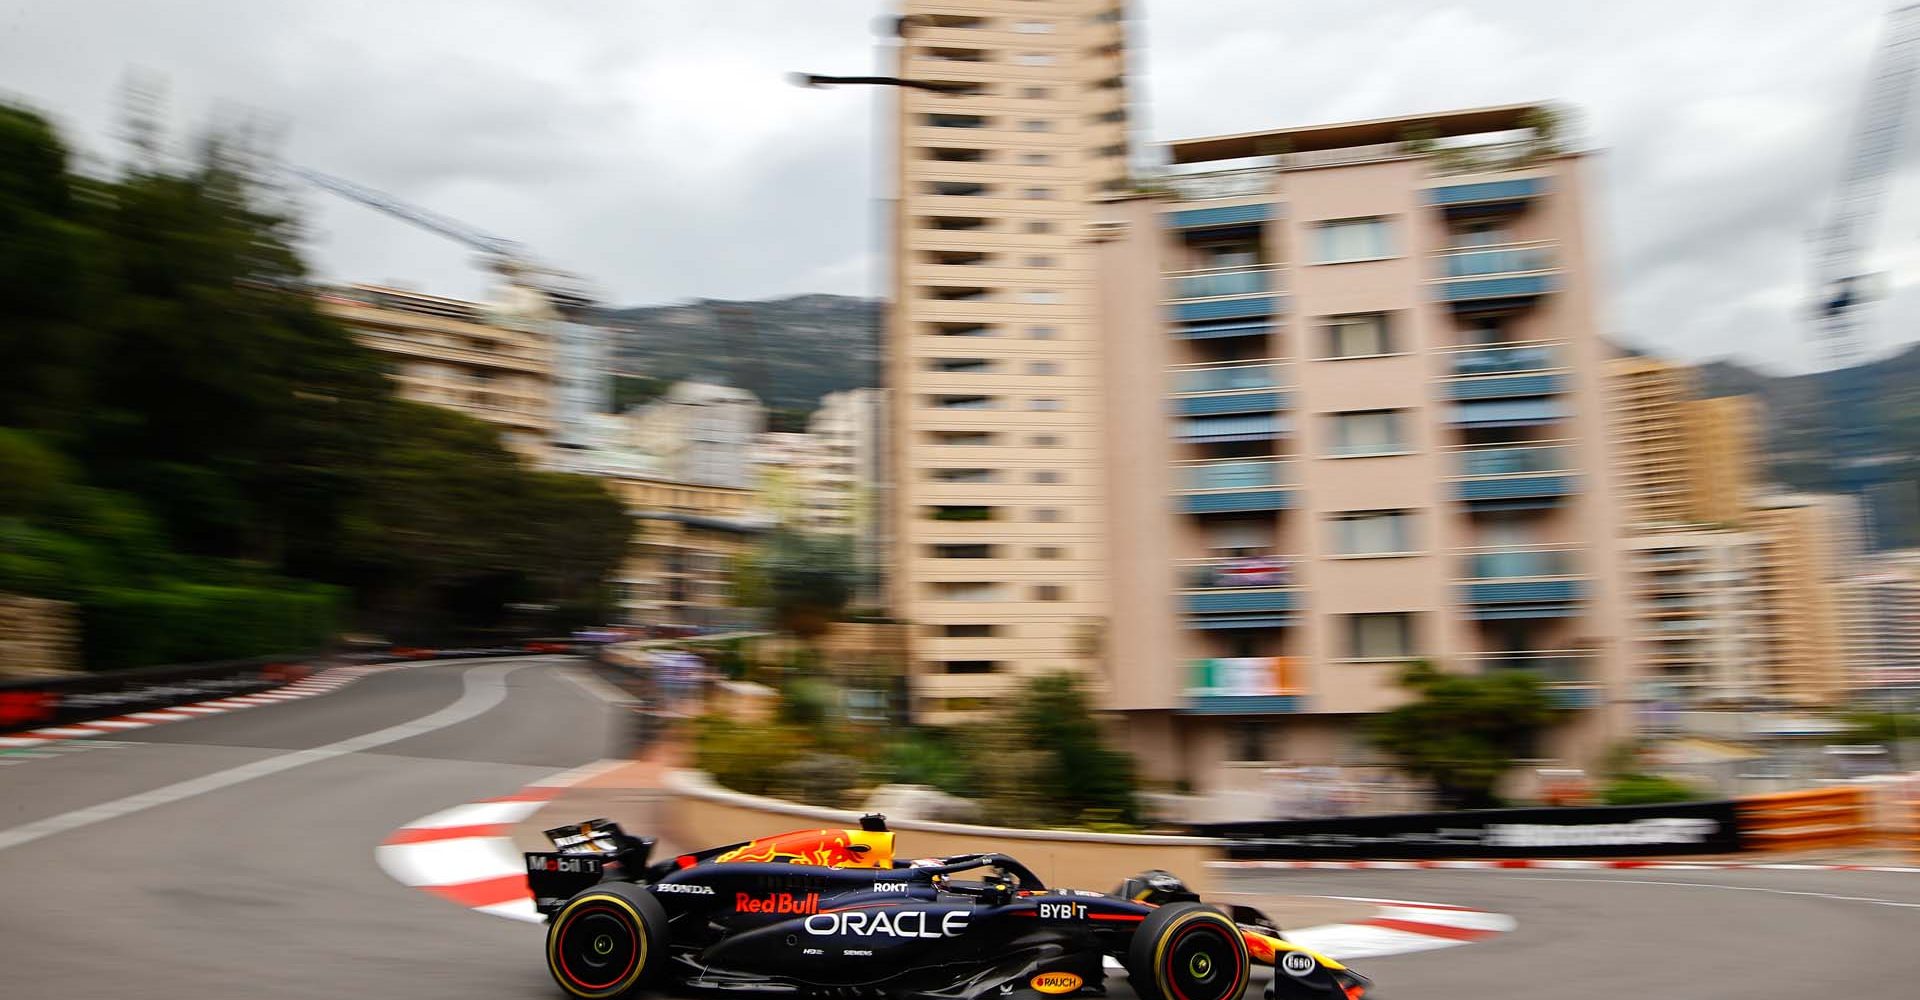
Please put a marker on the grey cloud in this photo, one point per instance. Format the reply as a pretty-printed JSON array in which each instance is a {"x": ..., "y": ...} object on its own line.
[{"x": 657, "y": 147}]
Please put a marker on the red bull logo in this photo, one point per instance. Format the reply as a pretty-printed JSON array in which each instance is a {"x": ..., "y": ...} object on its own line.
[
  {"x": 779, "y": 902},
  {"x": 826, "y": 848}
]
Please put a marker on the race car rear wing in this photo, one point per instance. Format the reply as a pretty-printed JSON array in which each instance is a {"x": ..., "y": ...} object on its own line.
[{"x": 586, "y": 854}]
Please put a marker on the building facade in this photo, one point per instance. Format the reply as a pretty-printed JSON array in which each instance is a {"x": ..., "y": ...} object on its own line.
[
  {"x": 1698, "y": 615},
  {"x": 1355, "y": 396},
  {"x": 998, "y": 524},
  {"x": 701, "y": 433},
  {"x": 687, "y": 539},
  {"x": 457, "y": 354},
  {"x": 1814, "y": 630}
]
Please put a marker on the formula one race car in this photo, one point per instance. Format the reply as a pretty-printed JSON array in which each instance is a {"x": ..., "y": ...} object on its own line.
[{"x": 831, "y": 913}]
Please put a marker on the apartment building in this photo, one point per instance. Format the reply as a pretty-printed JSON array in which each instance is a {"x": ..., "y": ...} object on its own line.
[
  {"x": 1814, "y": 632},
  {"x": 1890, "y": 596},
  {"x": 461, "y": 355},
  {"x": 701, "y": 433},
  {"x": 1649, "y": 399},
  {"x": 1354, "y": 417},
  {"x": 1721, "y": 452},
  {"x": 994, "y": 352},
  {"x": 686, "y": 540},
  {"x": 1699, "y": 617}
]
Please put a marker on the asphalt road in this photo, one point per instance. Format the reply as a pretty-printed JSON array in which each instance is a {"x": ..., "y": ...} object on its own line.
[{"x": 232, "y": 856}]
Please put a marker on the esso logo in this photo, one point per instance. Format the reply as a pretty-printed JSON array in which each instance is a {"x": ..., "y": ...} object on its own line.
[{"x": 1297, "y": 964}]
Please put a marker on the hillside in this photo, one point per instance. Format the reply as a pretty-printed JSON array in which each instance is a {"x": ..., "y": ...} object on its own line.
[
  {"x": 1800, "y": 435},
  {"x": 790, "y": 351}
]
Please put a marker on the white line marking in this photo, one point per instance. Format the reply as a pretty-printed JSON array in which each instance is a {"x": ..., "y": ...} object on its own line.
[
  {"x": 118, "y": 724},
  {"x": 484, "y": 688},
  {"x": 1735, "y": 888},
  {"x": 65, "y": 733},
  {"x": 159, "y": 716},
  {"x": 20, "y": 741},
  {"x": 200, "y": 709}
]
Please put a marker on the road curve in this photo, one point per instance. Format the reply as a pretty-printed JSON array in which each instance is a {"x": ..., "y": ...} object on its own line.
[{"x": 233, "y": 856}]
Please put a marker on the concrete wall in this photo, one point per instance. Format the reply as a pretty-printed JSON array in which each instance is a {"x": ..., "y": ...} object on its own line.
[
  {"x": 700, "y": 812},
  {"x": 37, "y": 636}
]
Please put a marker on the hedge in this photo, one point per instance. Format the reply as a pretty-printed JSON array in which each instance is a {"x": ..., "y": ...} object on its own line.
[{"x": 190, "y": 622}]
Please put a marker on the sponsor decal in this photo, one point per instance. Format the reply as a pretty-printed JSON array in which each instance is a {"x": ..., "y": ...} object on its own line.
[
  {"x": 856, "y": 952},
  {"x": 1055, "y": 982},
  {"x": 1063, "y": 911},
  {"x": 798, "y": 883},
  {"x": 813, "y": 951},
  {"x": 890, "y": 923},
  {"x": 563, "y": 863},
  {"x": 779, "y": 902},
  {"x": 1298, "y": 964},
  {"x": 684, "y": 888},
  {"x": 1662, "y": 830},
  {"x": 1082, "y": 892},
  {"x": 893, "y": 887}
]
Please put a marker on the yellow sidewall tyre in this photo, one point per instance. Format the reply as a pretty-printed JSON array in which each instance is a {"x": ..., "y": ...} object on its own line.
[
  {"x": 1188, "y": 951},
  {"x": 607, "y": 942}
]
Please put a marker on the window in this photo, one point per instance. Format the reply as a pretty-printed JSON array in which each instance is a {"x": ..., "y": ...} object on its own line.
[
  {"x": 1035, "y": 59},
  {"x": 1036, "y": 125},
  {"x": 1038, "y": 262},
  {"x": 962, "y": 475},
  {"x": 1369, "y": 432},
  {"x": 1047, "y": 552},
  {"x": 1049, "y": 592},
  {"x": 1035, "y": 159},
  {"x": 962, "y": 438},
  {"x": 1045, "y": 476},
  {"x": 1046, "y": 515},
  {"x": 969, "y": 590},
  {"x": 1373, "y": 532},
  {"x": 1117, "y": 149},
  {"x": 1035, "y": 93},
  {"x": 957, "y": 189},
  {"x": 956, "y": 223},
  {"x": 1043, "y": 441},
  {"x": 1115, "y": 115},
  {"x": 971, "y": 666},
  {"x": 967, "y": 631},
  {"x": 1039, "y": 226},
  {"x": 1352, "y": 239},
  {"x": 1041, "y": 332},
  {"x": 960, "y": 365},
  {"x": 956, "y": 121},
  {"x": 1033, "y": 27},
  {"x": 1483, "y": 331},
  {"x": 1380, "y": 637},
  {"x": 1358, "y": 336},
  {"x": 963, "y": 552},
  {"x": 1480, "y": 234},
  {"x": 1040, "y": 297},
  {"x": 956, "y": 154},
  {"x": 1045, "y": 404},
  {"x": 952, "y": 512},
  {"x": 964, "y": 402},
  {"x": 1043, "y": 368},
  {"x": 962, "y": 330},
  {"x": 1036, "y": 194}
]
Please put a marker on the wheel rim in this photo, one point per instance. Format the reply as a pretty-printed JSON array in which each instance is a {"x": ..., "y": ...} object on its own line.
[
  {"x": 1204, "y": 964},
  {"x": 597, "y": 948}
]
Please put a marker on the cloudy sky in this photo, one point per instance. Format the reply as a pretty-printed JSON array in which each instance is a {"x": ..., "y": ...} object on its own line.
[{"x": 656, "y": 146}]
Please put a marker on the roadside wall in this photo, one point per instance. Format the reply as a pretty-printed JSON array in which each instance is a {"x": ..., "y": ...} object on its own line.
[{"x": 700, "y": 812}]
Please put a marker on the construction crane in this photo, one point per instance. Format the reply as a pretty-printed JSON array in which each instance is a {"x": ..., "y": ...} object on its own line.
[
  {"x": 1841, "y": 243},
  {"x": 578, "y": 339}
]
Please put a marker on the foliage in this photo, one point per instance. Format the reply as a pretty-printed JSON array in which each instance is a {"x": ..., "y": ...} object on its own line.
[
  {"x": 180, "y": 431},
  {"x": 804, "y": 580},
  {"x": 630, "y": 391},
  {"x": 1645, "y": 790},
  {"x": 1462, "y": 732},
  {"x": 1884, "y": 727},
  {"x": 928, "y": 756},
  {"x": 1047, "y": 763}
]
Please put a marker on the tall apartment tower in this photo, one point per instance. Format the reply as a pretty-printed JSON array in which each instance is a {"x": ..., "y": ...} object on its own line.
[
  {"x": 1355, "y": 399},
  {"x": 1649, "y": 399},
  {"x": 994, "y": 347}
]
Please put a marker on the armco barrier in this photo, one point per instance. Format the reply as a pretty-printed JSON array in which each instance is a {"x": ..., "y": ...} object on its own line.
[
  {"x": 1807, "y": 820},
  {"x": 700, "y": 812}
]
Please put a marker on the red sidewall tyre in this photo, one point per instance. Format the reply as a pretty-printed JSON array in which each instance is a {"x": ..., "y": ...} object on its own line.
[{"x": 607, "y": 942}]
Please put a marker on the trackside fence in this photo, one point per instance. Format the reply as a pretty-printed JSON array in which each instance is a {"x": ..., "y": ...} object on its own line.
[{"x": 1813, "y": 819}]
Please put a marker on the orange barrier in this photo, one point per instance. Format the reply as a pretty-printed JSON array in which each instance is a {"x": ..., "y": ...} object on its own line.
[{"x": 1796, "y": 821}]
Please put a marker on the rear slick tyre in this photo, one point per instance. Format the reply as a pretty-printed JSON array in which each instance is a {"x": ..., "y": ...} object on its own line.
[
  {"x": 607, "y": 942},
  {"x": 1188, "y": 951}
]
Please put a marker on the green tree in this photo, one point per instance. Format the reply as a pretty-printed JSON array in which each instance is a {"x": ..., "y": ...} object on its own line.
[
  {"x": 1048, "y": 764},
  {"x": 1462, "y": 732},
  {"x": 803, "y": 580}
]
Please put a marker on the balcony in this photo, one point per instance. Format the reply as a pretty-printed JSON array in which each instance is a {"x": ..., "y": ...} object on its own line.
[
  {"x": 1517, "y": 584},
  {"x": 1523, "y": 477},
  {"x": 1224, "y": 217},
  {"x": 1485, "y": 195},
  {"x": 1566, "y": 674},
  {"x": 1507, "y": 360},
  {"x": 1252, "y": 591},
  {"x": 1243, "y": 685},
  {"x": 1496, "y": 276},
  {"x": 1222, "y": 389},
  {"x": 1234, "y": 427},
  {"x": 1236, "y": 486},
  {"x": 1222, "y": 282},
  {"x": 1212, "y": 184},
  {"x": 1521, "y": 411}
]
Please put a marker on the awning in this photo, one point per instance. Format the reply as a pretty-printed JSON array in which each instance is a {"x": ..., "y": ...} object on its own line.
[
  {"x": 1525, "y": 412},
  {"x": 1232, "y": 427}
]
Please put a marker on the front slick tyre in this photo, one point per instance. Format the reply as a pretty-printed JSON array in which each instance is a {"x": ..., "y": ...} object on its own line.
[
  {"x": 607, "y": 942},
  {"x": 1188, "y": 951}
]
